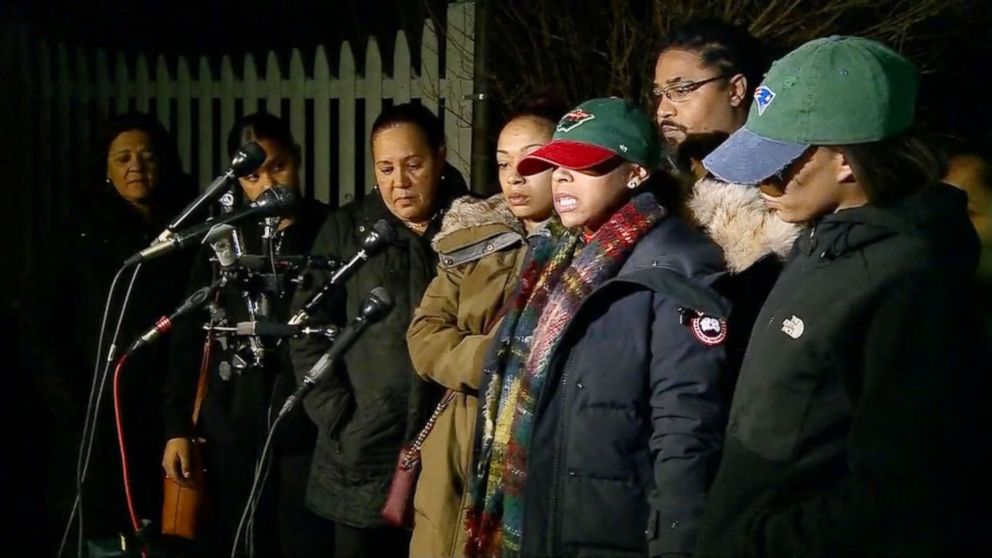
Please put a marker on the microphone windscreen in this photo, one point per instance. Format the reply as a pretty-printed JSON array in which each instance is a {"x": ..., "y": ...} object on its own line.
[{"x": 248, "y": 159}]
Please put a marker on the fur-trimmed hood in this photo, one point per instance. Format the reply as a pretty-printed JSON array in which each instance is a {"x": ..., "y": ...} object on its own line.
[
  {"x": 473, "y": 227},
  {"x": 735, "y": 217}
]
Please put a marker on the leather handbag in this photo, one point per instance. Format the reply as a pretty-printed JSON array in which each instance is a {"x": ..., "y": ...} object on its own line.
[
  {"x": 182, "y": 506},
  {"x": 398, "y": 510}
]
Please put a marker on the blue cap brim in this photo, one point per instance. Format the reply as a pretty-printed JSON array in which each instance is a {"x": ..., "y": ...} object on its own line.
[{"x": 747, "y": 158}]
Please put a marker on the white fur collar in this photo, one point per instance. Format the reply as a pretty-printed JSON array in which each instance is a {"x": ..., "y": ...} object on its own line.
[{"x": 736, "y": 218}]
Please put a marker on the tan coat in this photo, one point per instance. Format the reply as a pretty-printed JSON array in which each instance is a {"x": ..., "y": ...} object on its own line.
[{"x": 481, "y": 246}]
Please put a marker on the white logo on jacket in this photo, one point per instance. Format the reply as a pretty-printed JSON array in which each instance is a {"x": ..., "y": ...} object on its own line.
[{"x": 793, "y": 327}]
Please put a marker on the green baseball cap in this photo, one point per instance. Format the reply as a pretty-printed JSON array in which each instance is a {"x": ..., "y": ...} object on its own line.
[
  {"x": 830, "y": 91},
  {"x": 595, "y": 132}
]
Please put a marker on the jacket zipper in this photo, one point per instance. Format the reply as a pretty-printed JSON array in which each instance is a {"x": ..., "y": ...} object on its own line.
[{"x": 553, "y": 542}]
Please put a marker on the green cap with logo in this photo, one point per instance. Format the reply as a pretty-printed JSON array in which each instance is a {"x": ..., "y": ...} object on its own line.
[
  {"x": 830, "y": 91},
  {"x": 595, "y": 132}
]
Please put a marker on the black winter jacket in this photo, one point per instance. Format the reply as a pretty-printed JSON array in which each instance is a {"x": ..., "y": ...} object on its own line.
[
  {"x": 857, "y": 427},
  {"x": 372, "y": 401},
  {"x": 60, "y": 330},
  {"x": 628, "y": 427}
]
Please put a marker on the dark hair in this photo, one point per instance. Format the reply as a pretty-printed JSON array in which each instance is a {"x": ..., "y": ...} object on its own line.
[
  {"x": 173, "y": 187},
  {"x": 543, "y": 105},
  {"x": 410, "y": 113},
  {"x": 262, "y": 125},
  {"x": 728, "y": 47},
  {"x": 452, "y": 182},
  {"x": 166, "y": 153},
  {"x": 895, "y": 167}
]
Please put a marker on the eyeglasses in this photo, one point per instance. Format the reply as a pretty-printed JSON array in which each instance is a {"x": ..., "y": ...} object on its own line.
[{"x": 679, "y": 92}]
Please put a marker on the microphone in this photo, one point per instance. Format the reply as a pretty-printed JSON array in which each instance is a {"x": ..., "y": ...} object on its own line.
[
  {"x": 245, "y": 161},
  {"x": 164, "y": 324},
  {"x": 382, "y": 233},
  {"x": 226, "y": 242},
  {"x": 277, "y": 200},
  {"x": 376, "y": 304}
]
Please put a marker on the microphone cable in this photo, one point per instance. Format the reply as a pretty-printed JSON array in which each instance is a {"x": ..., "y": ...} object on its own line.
[
  {"x": 125, "y": 470},
  {"x": 255, "y": 485},
  {"x": 92, "y": 409}
]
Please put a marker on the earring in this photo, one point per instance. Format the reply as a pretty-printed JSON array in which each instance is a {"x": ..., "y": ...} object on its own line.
[{"x": 633, "y": 184}]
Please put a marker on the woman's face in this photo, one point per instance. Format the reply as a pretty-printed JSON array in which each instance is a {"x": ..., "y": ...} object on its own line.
[
  {"x": 529, "y": 197},
  {"x": 407, "y": 171},
  {"x": 587, "y": 198},
  {"x": 280, "y": 167},
  {"x": 809, "y": 188},
  {"x": 132, "y": 166}
]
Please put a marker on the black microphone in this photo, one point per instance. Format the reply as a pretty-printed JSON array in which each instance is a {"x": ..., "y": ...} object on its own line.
[
  {"x": 245, "y": 161},
  {"x": 164, "y": 324},
  {"x": 377, "y": 304},
  {"x": 278, "y": 200},
  {"x": 382, "y": 233}
]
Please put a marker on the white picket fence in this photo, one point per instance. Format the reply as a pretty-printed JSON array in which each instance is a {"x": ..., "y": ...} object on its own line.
[{"x": 73, "y": 88}]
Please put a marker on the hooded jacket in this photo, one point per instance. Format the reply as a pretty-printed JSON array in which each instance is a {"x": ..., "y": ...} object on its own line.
[
  {"x": 855, "y": 429},
  {"x": 480, "y": 248}
]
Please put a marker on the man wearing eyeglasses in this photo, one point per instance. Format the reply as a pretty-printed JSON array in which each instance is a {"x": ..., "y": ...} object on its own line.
[{"x": 703, "y": 81}]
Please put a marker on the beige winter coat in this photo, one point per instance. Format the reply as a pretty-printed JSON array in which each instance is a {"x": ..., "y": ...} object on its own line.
[{"x": 481, "y": 246}]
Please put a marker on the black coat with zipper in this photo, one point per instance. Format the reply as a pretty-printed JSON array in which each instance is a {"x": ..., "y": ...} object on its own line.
[
  {"x": 371, "y": 402},
  {"x": 628, "y": 427},
  {"x": 858, "y": 425}
]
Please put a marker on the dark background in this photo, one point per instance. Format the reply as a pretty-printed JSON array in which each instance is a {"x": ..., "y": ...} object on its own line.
[{"x": 574, "y": 48}]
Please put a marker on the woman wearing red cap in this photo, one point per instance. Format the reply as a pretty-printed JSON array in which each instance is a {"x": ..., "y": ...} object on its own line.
[{"x": 601, "y": 420}]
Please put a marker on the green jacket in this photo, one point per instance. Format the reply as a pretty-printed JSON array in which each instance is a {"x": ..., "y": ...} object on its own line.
[{"x": 372, "y": 401}]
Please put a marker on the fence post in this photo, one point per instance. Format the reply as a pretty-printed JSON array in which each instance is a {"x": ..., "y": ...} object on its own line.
[
  {"x": 373, "y": 104},
  {"x": 346, "y": 125},
  {"x": 205, "y": 122},
  {"x": 141, "y": 83},
  {"x": 184, "y": 114},
  {"x": 273, "y": 85},
  {"x": 430, "y": 77},
  {"x": 228, "y": 90},
  {"x": 82, "y": 137},
  {"x": 297, "y": 104},
  {"x": 249, "y": 85},
  {"x": 121, "y": 90},
  {"x": 163, "y": 94},
  {"x": 102, "y": 85},
  {"x": 401, "y": 69},
  {"x": 83, "y": 89},
  {"x": 321, "y": 93}
]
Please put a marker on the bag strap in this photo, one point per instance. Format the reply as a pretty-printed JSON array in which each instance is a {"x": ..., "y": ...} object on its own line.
[
  {"x": 413, "y": 454},
  {"x": 201, "y": 384}
]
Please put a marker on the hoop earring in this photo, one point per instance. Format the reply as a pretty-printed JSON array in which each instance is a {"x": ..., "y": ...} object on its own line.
[{"x": 633, "y": 184}]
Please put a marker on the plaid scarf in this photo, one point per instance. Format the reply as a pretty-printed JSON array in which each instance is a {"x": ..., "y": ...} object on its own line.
[{"x": 559, "y": 274}]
